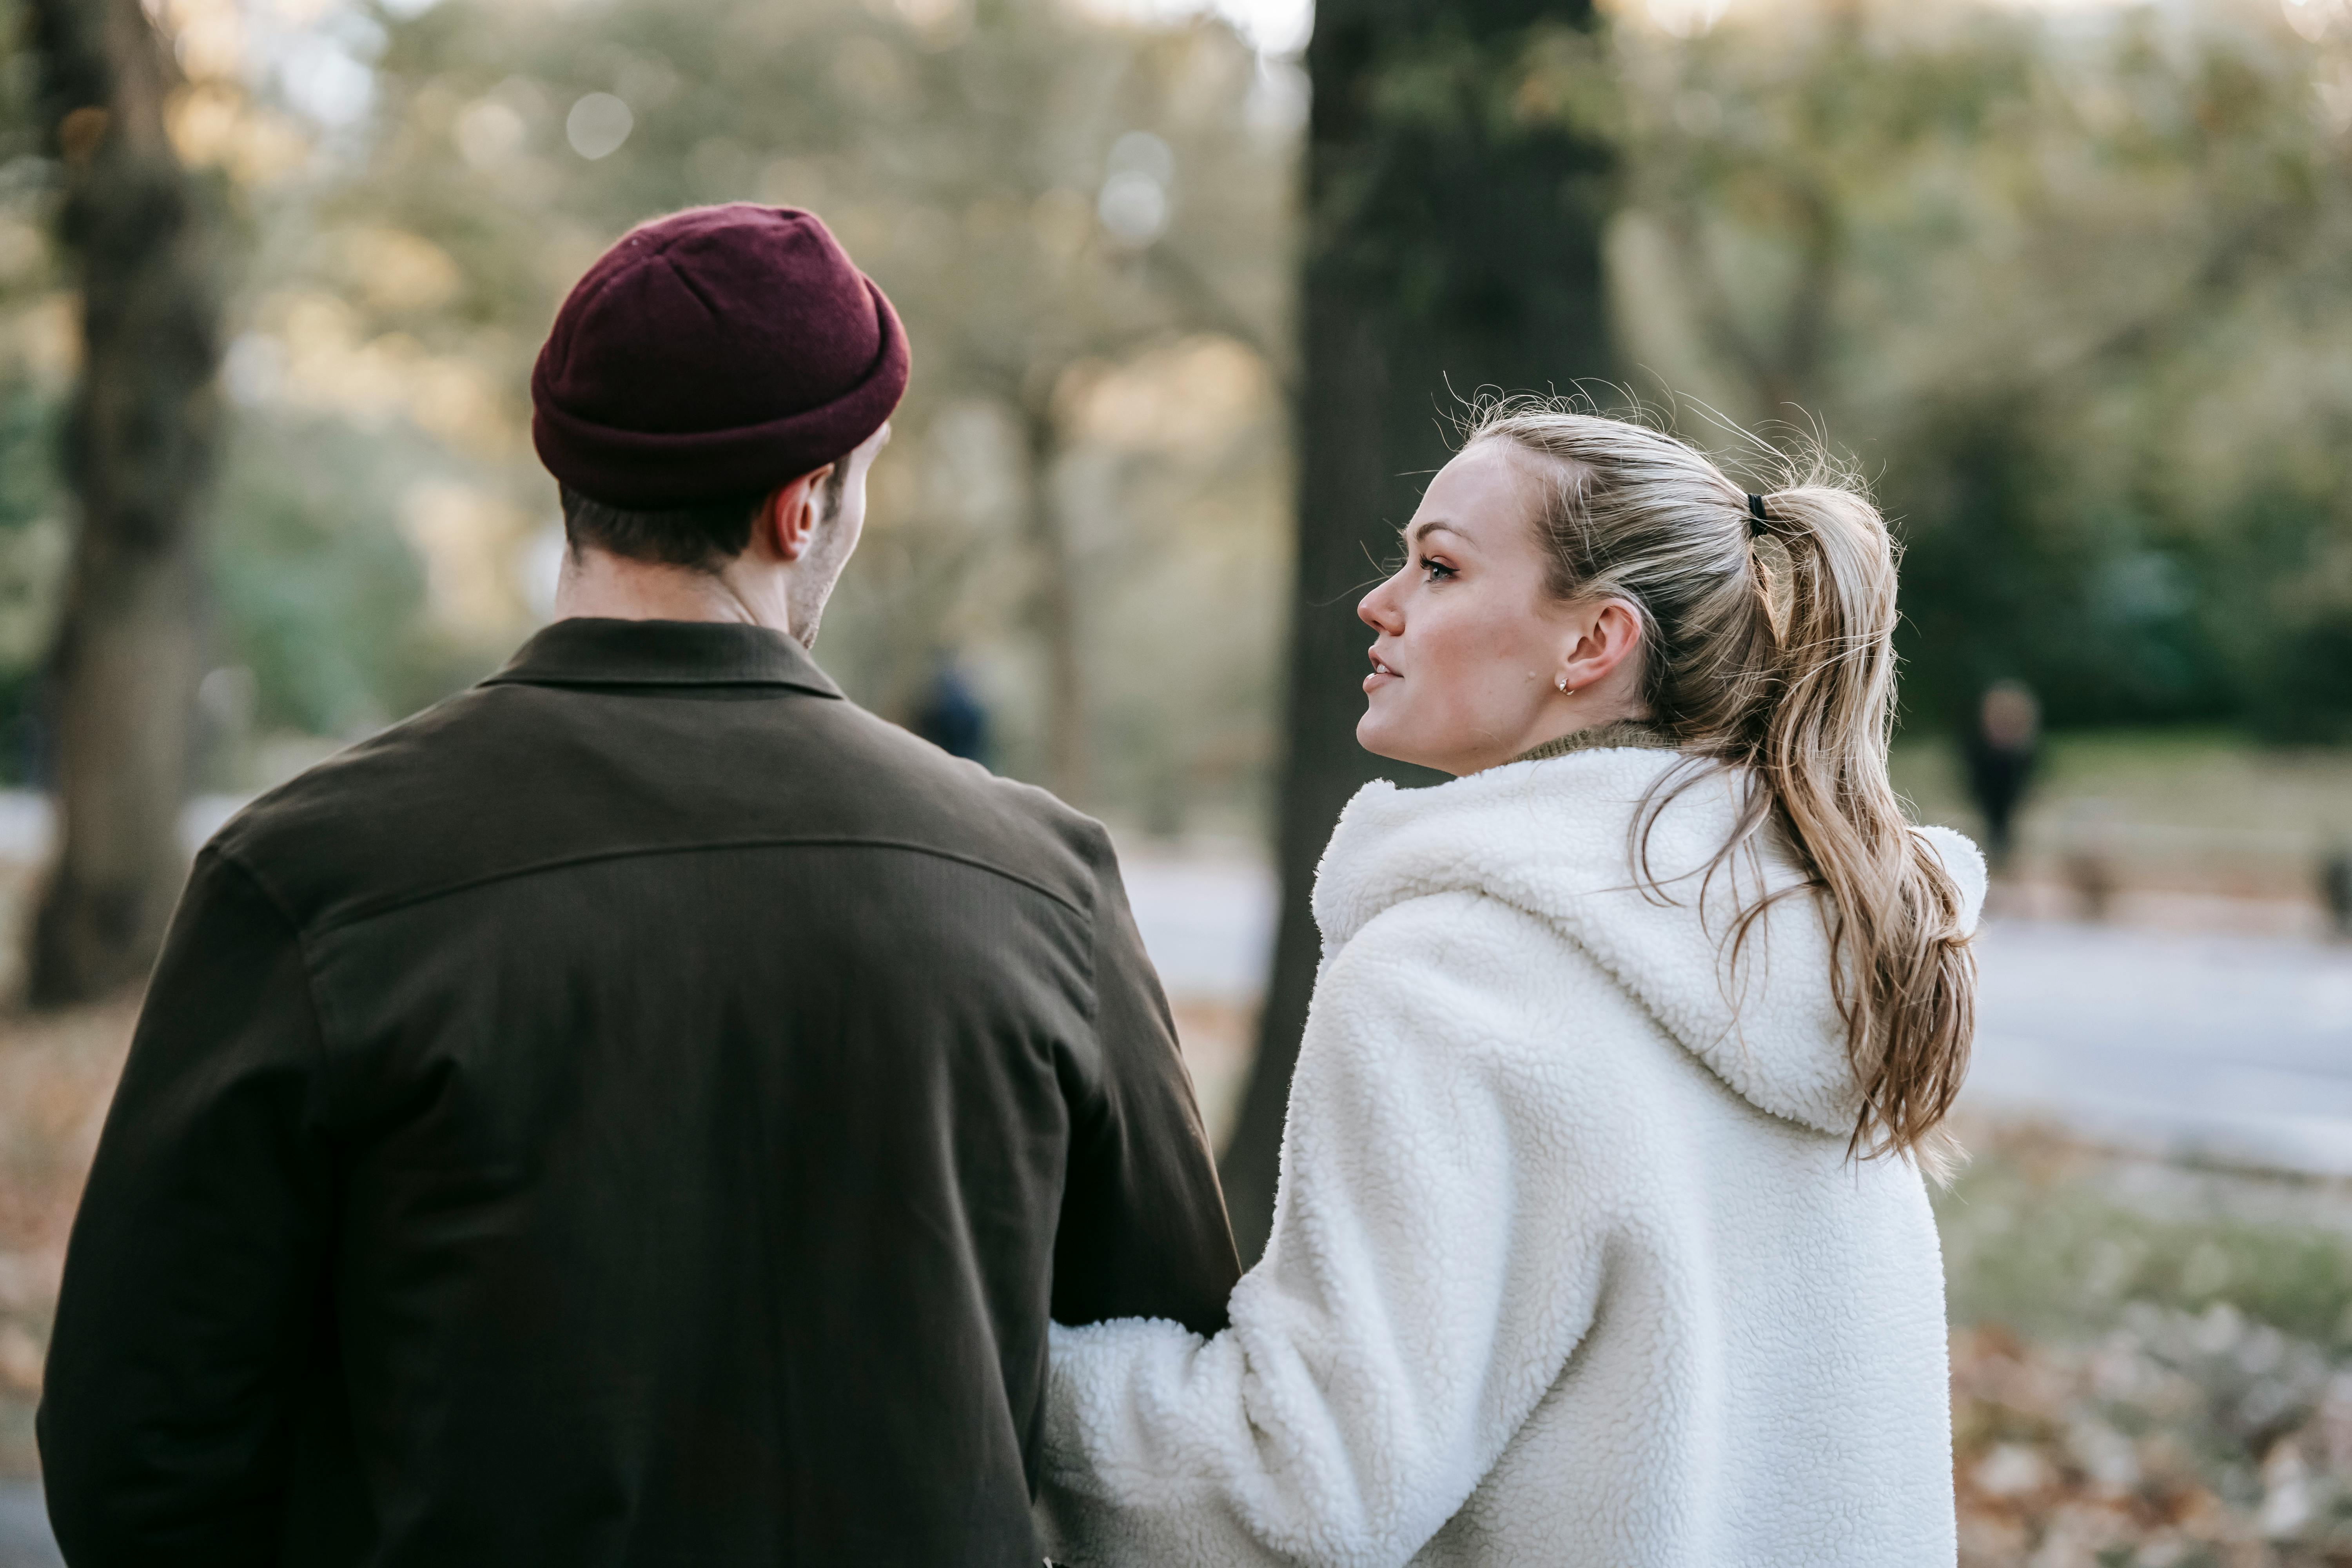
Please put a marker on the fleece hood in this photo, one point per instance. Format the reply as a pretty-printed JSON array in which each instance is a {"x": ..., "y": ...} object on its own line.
[{"x": 1551, "y": 838}]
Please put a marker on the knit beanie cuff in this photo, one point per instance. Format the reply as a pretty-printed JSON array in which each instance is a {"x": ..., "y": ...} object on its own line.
[{"x": 651, "y": 470}]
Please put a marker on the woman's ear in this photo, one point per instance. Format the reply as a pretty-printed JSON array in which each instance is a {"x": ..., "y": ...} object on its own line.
[{"x": 1609, "y": 637}]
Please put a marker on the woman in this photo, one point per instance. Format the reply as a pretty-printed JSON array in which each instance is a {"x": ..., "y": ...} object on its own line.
[{"x": 1600, "y": 1236}]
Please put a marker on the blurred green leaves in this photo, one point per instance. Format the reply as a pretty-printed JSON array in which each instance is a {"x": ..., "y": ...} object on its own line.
[
  {"x": 319, "y": 591},
  {"x": 1086, "y": 225},
  {"x": 2071, "y": 284}
]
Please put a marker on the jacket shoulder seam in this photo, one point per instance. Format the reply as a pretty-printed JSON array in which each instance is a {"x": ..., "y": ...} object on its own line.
[{"x": 321, "y": 1033}]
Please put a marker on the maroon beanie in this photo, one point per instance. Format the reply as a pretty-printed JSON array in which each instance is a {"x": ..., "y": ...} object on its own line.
[{"x": 718, "y": 351}]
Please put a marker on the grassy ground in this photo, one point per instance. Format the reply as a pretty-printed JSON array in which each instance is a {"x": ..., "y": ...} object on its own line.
[
  {"x": 2197, "y": 780},
  {"x": 2185, "y": 811},
  {"x": 2152, "y": 1363}
]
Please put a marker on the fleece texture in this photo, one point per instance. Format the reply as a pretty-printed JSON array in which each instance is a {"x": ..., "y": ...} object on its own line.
[{"x": 1570, "y": 1264}]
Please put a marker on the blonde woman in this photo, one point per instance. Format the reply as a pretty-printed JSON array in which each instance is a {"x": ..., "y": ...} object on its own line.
[{"x": 1600, "y": 1236}]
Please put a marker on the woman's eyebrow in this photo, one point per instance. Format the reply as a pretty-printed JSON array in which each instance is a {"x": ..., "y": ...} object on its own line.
[{"x": 1421, "y": 531}]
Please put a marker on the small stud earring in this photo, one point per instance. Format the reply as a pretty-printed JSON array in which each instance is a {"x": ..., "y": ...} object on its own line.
[{"x": 1561, "y": 683}]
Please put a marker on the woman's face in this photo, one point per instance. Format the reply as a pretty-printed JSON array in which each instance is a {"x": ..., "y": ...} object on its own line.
[
  {"x": 1471, "y": 646},
  {"x": 1469, "y": 650}
]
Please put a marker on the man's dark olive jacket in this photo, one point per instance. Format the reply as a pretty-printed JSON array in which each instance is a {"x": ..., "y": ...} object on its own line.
[{"x": 641, "y": 1112}]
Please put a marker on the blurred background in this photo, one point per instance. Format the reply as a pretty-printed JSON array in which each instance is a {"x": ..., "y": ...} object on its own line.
[{"x": 1194, "y": 287}]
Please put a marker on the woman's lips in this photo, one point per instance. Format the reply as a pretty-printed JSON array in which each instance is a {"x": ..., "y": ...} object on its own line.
[{"x": 1382, "y": 674}]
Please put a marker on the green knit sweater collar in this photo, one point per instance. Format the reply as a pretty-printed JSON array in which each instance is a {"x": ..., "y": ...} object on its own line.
[{"x": 1628, "y": 734}]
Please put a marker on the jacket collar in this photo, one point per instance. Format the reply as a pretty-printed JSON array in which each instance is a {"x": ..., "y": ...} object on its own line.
[{"x": 590, "y": 652}]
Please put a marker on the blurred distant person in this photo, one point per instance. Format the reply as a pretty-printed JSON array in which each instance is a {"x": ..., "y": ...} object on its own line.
[
  {"x": 2003, "y": 747},
  {"x": 950, "y": 715},
  {"x": 643, "y": 1110},
  {"x": 1600, "y": 1239},
  {"x": 2336, "y": 888}
]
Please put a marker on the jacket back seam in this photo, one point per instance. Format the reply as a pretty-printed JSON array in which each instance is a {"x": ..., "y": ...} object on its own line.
[{"x": 377, "y": 910}]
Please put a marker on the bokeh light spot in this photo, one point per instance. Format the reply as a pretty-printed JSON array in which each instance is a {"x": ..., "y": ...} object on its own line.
[{"x": 597, "y": 125}]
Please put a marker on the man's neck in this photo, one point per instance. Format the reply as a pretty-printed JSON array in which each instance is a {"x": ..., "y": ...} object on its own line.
[{"x": 597, "y": 583}]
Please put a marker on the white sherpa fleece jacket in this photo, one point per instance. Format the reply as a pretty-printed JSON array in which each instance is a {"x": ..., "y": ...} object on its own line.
[{"x": 1569, "y": 1263}]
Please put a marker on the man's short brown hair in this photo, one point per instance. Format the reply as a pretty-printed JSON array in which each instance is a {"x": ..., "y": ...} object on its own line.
[{"x": 704, "y": 536}]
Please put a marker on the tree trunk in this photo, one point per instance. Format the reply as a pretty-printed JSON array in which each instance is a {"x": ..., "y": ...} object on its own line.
[
  {"x": 139, "y": 450},
  {"x": 1450, "y": 251},
  {"x": 1057, "y": 610}
]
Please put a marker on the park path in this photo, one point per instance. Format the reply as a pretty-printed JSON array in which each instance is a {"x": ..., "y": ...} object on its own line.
[
  {"x": 24, "y": 1539},
  {"x": 2232, "y": 1047},
  {"x": 2235, "y": 1048}
]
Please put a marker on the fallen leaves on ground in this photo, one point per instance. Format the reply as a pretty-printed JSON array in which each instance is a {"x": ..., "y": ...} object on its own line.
[
  {"x": 57, "y": 1077},
  {"x": 2179, "y": 1440}
]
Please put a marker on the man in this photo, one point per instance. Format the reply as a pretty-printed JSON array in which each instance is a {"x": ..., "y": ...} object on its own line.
[
  {"x": 2000, "y": 750},
  {"x": 645, "y": 1108}
]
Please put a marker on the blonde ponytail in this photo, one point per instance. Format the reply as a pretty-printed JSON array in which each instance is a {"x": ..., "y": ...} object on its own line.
[
  {"x": 1768, "y": 642},
  {"x": 1905, "y": 977}
]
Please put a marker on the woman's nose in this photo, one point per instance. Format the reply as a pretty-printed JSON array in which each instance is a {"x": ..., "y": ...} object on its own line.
[{"x": 1377, "y": 609}]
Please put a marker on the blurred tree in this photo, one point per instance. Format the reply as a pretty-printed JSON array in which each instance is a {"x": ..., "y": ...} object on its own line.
[
  {"x": 1453, "y": 241},
  {"x": 1052, "y": 200},
  {"x": 139, "y": 451},
  {"x": 2072, "y": 286},
  {"x": 35, "y": 342}
]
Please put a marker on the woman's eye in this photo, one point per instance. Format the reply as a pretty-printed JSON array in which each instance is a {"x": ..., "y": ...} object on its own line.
[{"x": 1437, "y": 570}]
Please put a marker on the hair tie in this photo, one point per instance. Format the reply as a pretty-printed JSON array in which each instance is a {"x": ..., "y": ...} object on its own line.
[{"x": 1756, "y": 516}]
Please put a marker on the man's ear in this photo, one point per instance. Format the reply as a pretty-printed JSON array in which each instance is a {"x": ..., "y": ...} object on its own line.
[{"x": 788, "y": 519}]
